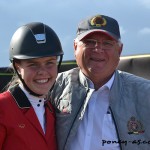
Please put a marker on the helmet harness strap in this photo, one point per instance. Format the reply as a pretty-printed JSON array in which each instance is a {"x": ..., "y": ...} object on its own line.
[{"x": 24, "y": 84}]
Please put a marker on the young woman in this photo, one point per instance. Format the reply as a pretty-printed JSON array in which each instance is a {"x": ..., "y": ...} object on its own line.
[{"x": 27, "y": 119}]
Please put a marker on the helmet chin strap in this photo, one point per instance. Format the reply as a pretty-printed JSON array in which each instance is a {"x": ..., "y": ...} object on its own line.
[
  {"x": 59, "y": 65},
  {"x": 60, "y": 60}
]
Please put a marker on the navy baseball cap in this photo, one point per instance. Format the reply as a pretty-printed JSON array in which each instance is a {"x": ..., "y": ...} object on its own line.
[{"x": 99, "y": 23}]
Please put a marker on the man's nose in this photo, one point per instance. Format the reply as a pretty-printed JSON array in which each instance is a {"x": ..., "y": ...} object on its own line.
[{"x": 98, "y": 47}]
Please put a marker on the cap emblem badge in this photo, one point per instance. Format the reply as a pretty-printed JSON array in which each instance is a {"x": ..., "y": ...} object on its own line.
[{"x": 98, "y": 21}]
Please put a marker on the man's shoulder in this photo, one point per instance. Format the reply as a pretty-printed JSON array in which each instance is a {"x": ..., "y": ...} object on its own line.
[
  {"x": 129, "y": 76},
  {"x": 70, "y": 74},
  {"x": 131, "y": 79}
]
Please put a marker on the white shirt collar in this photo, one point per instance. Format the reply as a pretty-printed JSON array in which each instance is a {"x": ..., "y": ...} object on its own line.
[
  {"x": 35, "y": 101},
  {"x": 91, "y": 84}
]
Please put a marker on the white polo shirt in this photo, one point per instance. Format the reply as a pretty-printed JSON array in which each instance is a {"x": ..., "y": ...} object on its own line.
[{"x": 97, "y": 123}]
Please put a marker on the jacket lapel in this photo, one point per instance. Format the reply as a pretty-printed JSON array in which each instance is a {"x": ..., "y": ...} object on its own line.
[
  {"x": 32, "y": 118},
  {"x": 50, "y": 120},
  {"x": 26, "y": 107}
]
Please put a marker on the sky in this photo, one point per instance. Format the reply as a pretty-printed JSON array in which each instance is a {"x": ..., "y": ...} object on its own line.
[{"x": 63, "y": 16}]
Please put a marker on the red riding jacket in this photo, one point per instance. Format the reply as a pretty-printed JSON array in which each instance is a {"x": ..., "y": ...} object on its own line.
[{"x": 19, "y": 125}]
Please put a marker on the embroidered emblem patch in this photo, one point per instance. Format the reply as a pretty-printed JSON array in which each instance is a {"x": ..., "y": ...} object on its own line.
[
  {"x": 98, "y": 21},
  {"x": 135, "y": 126}
]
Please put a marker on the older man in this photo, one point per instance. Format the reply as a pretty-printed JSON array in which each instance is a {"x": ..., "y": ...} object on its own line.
[{"x": 97, "y": 106}]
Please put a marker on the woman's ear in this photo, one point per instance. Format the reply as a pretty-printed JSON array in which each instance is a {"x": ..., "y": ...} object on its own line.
[{"x": 17, "y": 66}]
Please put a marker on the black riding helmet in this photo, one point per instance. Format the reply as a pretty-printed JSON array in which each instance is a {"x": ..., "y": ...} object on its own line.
[{"x": 34, "y": 40}]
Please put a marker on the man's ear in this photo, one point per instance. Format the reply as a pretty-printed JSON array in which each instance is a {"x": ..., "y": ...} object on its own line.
[
  {"x": 120, "y": 48},
  {"x": 75, "y": 45}
]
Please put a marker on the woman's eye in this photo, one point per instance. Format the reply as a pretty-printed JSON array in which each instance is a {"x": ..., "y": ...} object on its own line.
[
  {"x": 32, "y": 65},
  {"x": 51, "y": 62}
]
